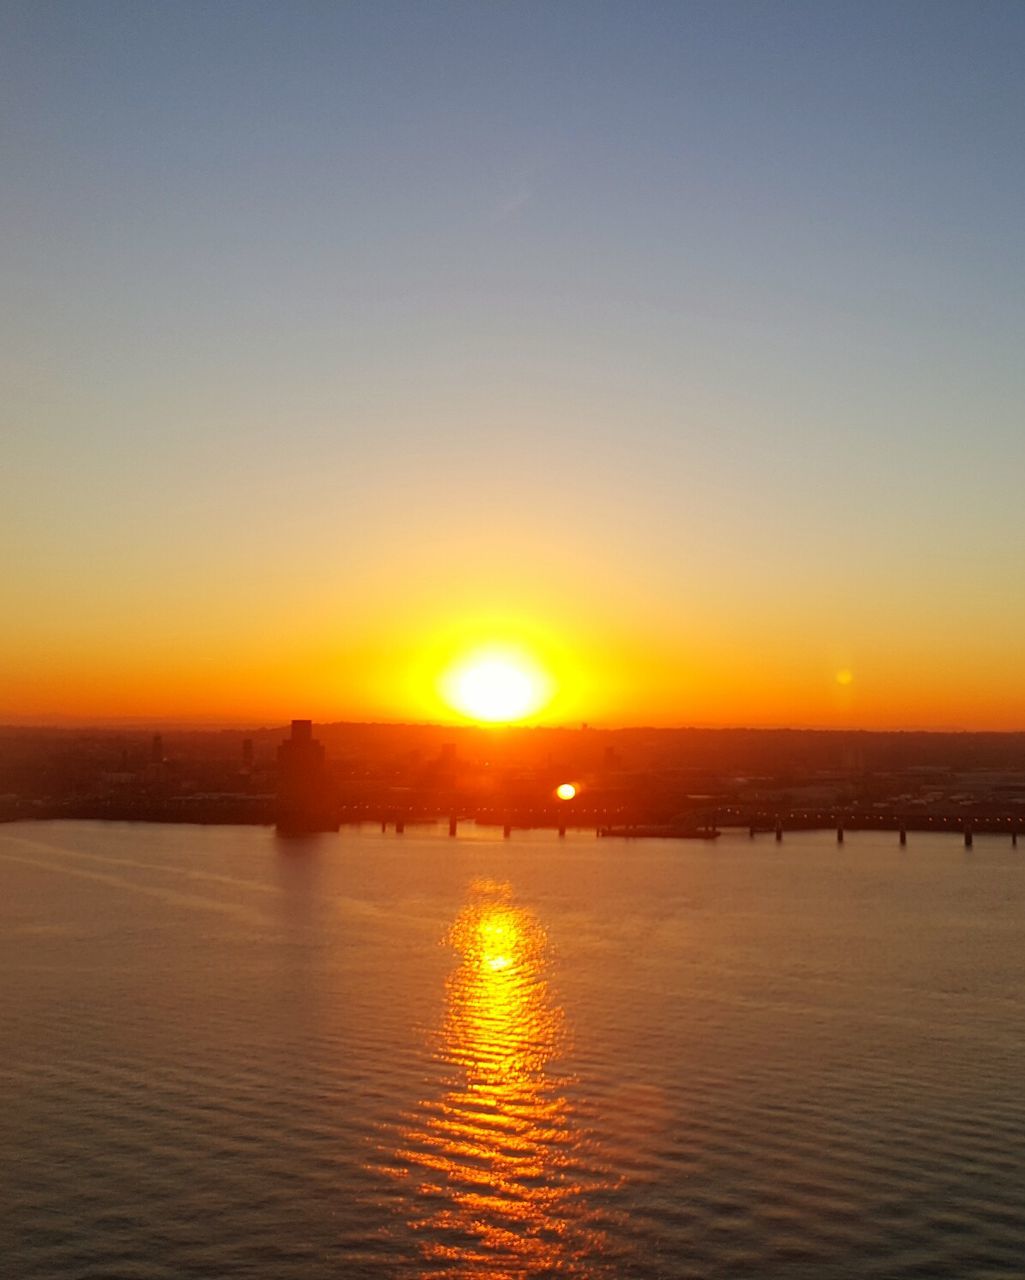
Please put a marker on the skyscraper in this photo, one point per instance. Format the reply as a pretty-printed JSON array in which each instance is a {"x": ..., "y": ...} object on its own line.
[{"x": 304, "y": 793}]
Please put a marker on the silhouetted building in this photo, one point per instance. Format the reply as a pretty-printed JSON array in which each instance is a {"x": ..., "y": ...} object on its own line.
[
  {"x": 305, "y": 802},
  {"x": 157, "y": 749}
]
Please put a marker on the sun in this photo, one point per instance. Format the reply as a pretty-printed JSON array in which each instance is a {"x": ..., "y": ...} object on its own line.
[{"x": 496, "y": 686}]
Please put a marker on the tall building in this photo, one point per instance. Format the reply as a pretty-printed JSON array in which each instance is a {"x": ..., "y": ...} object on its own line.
[{"x": 305, "y": 801}]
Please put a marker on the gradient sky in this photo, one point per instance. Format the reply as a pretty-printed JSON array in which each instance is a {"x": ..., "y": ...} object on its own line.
[{"x": 684, "y": 341}]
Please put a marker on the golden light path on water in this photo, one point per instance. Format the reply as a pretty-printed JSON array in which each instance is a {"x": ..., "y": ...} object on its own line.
[{"x": 496, "y": 1188}]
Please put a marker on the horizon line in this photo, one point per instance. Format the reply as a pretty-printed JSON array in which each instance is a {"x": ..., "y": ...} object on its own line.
[{"x": 115, "y": 724}]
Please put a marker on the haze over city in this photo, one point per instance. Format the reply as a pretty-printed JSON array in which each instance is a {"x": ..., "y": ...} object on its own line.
[{"x": 674, "y": 348}]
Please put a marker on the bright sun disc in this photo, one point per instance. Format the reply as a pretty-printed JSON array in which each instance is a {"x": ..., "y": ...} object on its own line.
[{"x": 497, "y": 688}]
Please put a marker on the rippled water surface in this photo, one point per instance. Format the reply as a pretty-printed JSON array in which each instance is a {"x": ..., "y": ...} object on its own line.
[{"x": 371, "y": 1055}]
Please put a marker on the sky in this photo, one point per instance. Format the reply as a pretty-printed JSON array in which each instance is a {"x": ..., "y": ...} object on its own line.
[{"x": 678, "y": 344}]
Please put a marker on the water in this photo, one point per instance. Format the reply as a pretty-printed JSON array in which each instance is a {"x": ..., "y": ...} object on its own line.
[{"x": 361, "y": 1055}]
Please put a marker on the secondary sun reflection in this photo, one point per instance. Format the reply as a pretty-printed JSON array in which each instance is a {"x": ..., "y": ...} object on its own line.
[{"x": 496, "y": 1171}]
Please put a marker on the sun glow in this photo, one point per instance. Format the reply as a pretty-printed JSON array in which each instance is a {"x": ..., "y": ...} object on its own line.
[{"x": 496, "y": 686}]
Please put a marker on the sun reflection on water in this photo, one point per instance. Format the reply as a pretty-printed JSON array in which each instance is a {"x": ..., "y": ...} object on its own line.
[{"x": 496, "y": 1172}]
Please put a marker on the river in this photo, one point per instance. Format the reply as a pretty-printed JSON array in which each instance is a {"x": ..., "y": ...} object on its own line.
[{"x": 364, "y": 1054}]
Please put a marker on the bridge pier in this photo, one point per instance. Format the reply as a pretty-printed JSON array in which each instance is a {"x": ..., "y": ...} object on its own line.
[
  {"x": 968, "y": 838},
  {"x": 839, "y": 835},
  {"x": 400, "y": 826},
  {"x": 507, "y": 831},
  {"x": 903, "y": 836},
  {"x": 452, "y": 825}
]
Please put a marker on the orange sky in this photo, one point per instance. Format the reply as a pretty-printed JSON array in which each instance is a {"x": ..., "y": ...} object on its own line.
[
  {"x": 699, "y": 380},
  {"x": 752, "y": 667}
]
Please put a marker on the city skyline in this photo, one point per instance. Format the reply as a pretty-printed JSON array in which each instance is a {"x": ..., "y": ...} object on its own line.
[{"x": 674, "y": 346}]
